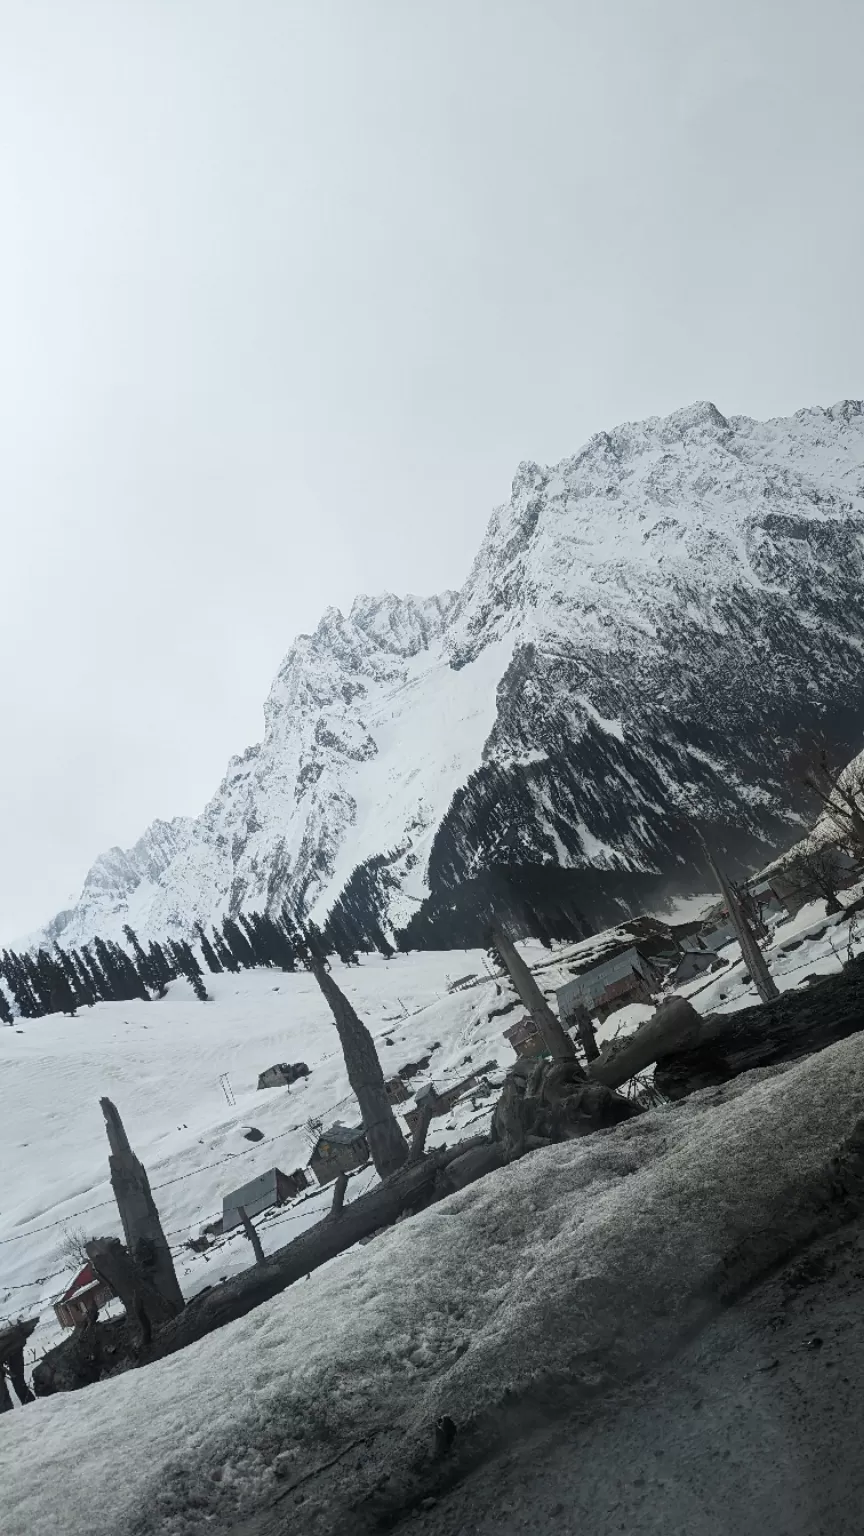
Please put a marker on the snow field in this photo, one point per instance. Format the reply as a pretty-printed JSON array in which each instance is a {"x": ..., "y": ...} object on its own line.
[{"x": 589, "y": 1258}]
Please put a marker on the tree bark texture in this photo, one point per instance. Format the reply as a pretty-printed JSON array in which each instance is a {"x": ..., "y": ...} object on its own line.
[
  {"x": 387, "y": 1145},
  {"x": 554, "y": 1104},
  {"x": 674, "y": 1026},
  {"x": 133, "y": 1284},
  {"x": 548, "y": 1025},
  {"x": 145, "y": 1240}
]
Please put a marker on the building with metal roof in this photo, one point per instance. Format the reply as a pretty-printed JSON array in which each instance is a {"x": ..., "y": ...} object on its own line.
[{"x": 624, "y": 978}]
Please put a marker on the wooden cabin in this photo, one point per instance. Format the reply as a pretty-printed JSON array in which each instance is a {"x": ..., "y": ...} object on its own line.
[
  {"x": 338, "y": 1150},
  {"x": 624, "y": 978},
  {"x": 84, "y": 1297},
  {"x": 525, "y": 1038}
]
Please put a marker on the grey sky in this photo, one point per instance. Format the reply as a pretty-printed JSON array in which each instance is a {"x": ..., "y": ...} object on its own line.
[{"x": 287, "y": 290}]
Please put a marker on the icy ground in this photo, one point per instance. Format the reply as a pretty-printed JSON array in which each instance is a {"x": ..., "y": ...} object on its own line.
[{"x": 590, "y": 1259}]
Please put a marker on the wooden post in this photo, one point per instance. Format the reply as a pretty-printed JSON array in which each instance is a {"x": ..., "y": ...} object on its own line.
[
  {"x": 145, "y": 1240},
  {"x": 339, "y": 1188},
  {"x": 585, "y": 1030},
  {"x": 249, "y": 1229},
  {"x": 15, "y": 1367},
  {"x": 387, "y": 1145},
  {"x": 421, "y": 1131},
  {"x": 751, "y": 953},
  {"x": 551, "y": 1030}
]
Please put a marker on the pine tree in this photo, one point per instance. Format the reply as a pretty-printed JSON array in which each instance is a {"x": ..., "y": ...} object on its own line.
[
  {"x": 5, "y": 1010},
  {"x": 160, "y": 967},
  {"x": 19, "y": 983},
  {"x": 211, "y": 959},
  {"x": 81, "y": 997},
  {"x": 86, "y": 986},
  {"x": 188, "y": 965},
  {"x": 238, "y": 944},
  {"x": 141, "y": 960},
  {"x": 226, "y": 958},
  {"x": 100, "y": 981}
]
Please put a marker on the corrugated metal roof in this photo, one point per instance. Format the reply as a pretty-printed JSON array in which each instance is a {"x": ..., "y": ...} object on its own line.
[
  {"x": 342, "y": 1135},
  {"x": 588, "y": 988},
  {"x": 256, "y": 1196}
]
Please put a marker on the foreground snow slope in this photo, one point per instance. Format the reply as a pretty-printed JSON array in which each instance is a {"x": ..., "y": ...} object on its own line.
[
  {"x": 650, "y": 627},
  {"x": 586, "y": 1259}
]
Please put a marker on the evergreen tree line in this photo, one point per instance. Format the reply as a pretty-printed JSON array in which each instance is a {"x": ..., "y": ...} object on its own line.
[{"x": 64, "y": 980}]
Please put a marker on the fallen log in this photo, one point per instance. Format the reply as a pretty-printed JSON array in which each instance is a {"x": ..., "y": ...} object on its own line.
[
  {"x": 796, "y": 1024},
  {"x": 675, "y": 1026}
]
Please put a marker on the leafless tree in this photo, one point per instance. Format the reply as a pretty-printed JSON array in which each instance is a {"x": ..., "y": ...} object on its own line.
[
  {"x": 817, "y": 869},
  {"x": 72, "y": 1247},
  {"x": 841, "y": 793},
  {"x": 312, "y": 1129}
]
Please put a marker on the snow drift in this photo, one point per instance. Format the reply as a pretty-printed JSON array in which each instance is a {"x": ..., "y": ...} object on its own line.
[{"x": 583, "y": 1261}]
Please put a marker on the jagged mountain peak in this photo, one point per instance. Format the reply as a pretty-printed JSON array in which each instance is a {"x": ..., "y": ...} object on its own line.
[{"x": 638, "y": 619}]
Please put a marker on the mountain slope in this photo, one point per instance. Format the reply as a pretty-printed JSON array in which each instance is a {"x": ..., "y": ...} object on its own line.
[{"x": 651, "y": 629}]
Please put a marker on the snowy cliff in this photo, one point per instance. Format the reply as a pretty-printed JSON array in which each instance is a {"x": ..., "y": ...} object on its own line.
[{"x": 649, "y": 633}]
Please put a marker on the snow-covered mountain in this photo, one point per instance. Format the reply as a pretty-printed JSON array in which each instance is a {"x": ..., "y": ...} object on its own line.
[{"x": 651, "y": 630}]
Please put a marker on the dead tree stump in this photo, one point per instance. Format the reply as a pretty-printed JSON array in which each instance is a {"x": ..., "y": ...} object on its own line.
[{"x": 145, "y": 1240}]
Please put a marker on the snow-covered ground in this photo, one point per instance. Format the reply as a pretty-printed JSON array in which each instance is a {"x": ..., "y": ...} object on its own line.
[
  {"x": 161, "y": 1063},
  {"x": 590, "y": 1259}
]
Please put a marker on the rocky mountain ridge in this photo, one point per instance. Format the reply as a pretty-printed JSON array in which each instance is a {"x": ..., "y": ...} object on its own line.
[{"x": 650, "y": 632}]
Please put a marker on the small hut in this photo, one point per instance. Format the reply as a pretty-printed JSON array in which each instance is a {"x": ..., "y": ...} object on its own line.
[
  {"x": 525, "y": 1038},
  {"x": 271, "y": 1188},
  {"x": 83, "y": 1298},
  {"x": 282, "y": 1074},
  {"x": 338, "y": 1150},
  {"x": 693, "y": 963}
]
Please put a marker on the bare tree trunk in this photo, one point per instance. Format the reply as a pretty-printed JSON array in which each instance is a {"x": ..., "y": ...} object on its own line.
[
  {"x": 753, "y": 957},
  {"x": 114, "y": 1264},
  {"x": 551, "y": 1030},
  {"x": 249, "y": 1229},
  {"x": 145, "y": 1240},
  {"x": 12, "y": 1341},
  {"x": 387, "y": 1145}
]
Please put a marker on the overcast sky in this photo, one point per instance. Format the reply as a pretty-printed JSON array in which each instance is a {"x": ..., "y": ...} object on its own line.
[{"x": 288, "y": 290}]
